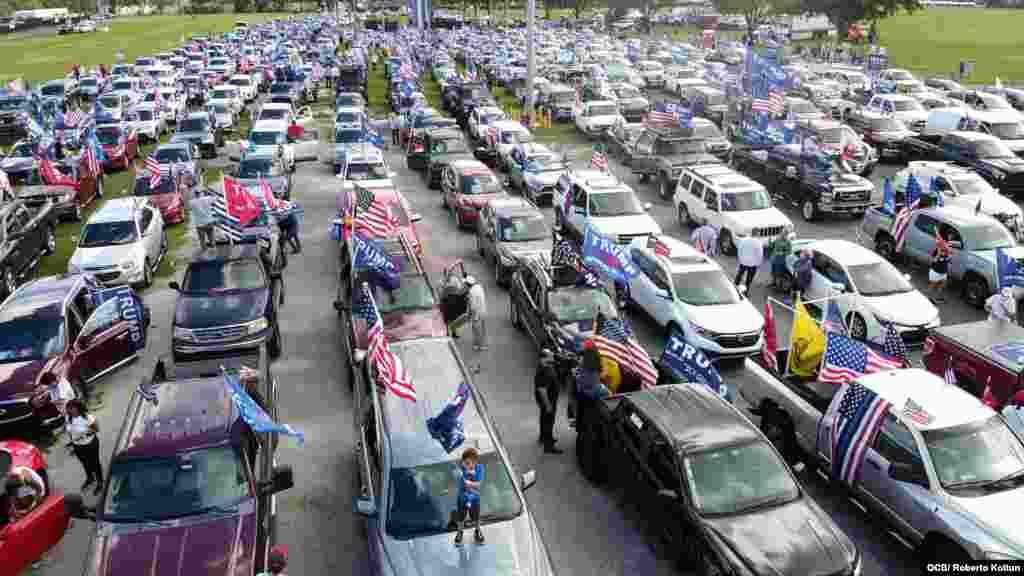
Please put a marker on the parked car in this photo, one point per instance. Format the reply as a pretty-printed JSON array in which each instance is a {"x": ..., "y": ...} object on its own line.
[
  {"x": 197, "y": 129},
  {"x": 620, "y": 139},
  {"x": 595, "y": 117},
  {"x": 120, "y": 143},
  {"x": 976, "y": 354},
  {"x": 148, "y": 123},
  {"x": 184, "y": 157},
  {"x": 535, "y": 174},
  {"x": 510, "y": 229},
  {"x": 26, "y": 235},
  {"x": 168, "y": 196},
  {"x": 466, "y": 185},
  {"x": 598, "y": 199},
  {"x": 123, "y": 242},
  {"x": 69, "y": 198},
  {"x": 268, "y": 167}
]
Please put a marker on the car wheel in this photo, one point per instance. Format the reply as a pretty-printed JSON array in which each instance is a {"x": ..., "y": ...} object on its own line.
[
  {"x": 725, "y": 244},
  {"x": 274, "y": 343},
  {"x": 975, "y": 290},
  {"x": 809, "y": 210},
  {"x": 885, "y": 245},
  {"x": 147, "y": 274},
  {"x": 665, "y": 188},
  {"x": 683, "y": 214},
  {"x": 51, "y": 241},
  {"x": 858, "y": 327},
  {"x": 10, "y": 282}
]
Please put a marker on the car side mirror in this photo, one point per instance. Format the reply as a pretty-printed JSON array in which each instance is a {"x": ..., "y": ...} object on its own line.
[
  {"x": 956, "y": 244},
  {"x": 281, "y": 479},
  {"x": 909, "y": 473},
  {"x": 74, "y": 506},
  {"x": 173, "y": 285},
  {"x": 668, "y": 494},
  {"x": 528, "y": 480},
  {"x": 416, "y": 217},
  {"x": 365, "y": 507}
]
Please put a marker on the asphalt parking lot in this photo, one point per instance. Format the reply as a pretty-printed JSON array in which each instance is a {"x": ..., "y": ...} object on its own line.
[{"x": 588, "y": 530}]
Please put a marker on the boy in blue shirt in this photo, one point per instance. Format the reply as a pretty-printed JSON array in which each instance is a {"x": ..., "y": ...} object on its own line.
[{"x": 472, "y": 475}]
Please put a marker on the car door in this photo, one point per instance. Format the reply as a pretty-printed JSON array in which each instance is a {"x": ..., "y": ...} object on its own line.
[
  {"x": 644, "y": 288},
  {"x": 920, "y": 237},
  {"x": 485, "y": 232},
  {"x": 149, "y": 228},
  {"x": 104, "y": 341},
  {"x": 449, "y": 185},
  {"x": 710, "y": 211},
  {"x": 957, "y": 257},
  {"x": 25, "y": 541},
  {"x": 643, "y": 150},
  {"x": 904, "y": 504},
  {"x": 821, "y": 286},
  {"x": 628, "y": 464}
]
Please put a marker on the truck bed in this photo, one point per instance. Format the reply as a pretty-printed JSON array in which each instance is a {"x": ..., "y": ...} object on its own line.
[{"x": 983, "y": 337}]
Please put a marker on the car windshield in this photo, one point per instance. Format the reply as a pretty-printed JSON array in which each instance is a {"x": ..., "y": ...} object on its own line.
[
  {"x": 738, "y": 479},
  {"x": 704, "y": 288},
  {"x": 224, "y": 276},
  {"x": 347, "y": 118},
  {"x": 1007, "y": 130},
  {"x": 972, "y": 184},
  {"x": 144, "y": 115},
  {"x": 878, "y": 279},
  {"x": 422, "y": 499},
  {"x": 88, "y": 82},
  {"x": 351, "y": 100},
  {"x": 171, "y": 155},
  {"x": 907, "y": 105},
  {"x": 679, "y": 147},
  {"x": 413, "y": 293},
  {"x": 12, "y": 103},
  {"x": 53, "y": 90},
  {"x": 485, "y": 183},
  {"x": 222, "y": 95},
  {"x": 992, "y": 149},
  {"x": 975, "y": 453},
  {"x": 21, "y": 151},
  {"x": 522, "y": 228},
  {"x": 192, "y": 125},
  {"x": 570, "y": 305},
  {"x": 108, "y": 234},
  {"x": 31, "y": 333},
  {"x": 113, "y": 102},
  {"x": 617, "y": 203},
  {"x": 142, "y": 188},
  {"x": 367, "y": 171},
  {"x": 280, "y": 89},
  {"x": 154, "y": 489},
  {"x": 348, "y": 136},
  {"x": 987, "y": 237},
  {"x": 273, "y": 114},
  {"x": 757, "y": 199},
  {"x": 266, "y": 137},
  {"x": 122, "y": 85},
  {"x": 254, "y": 167},
  {"x": 602, "y": 110},
  {"x": 108, "y": 137},
  {"x": 220, "y": 108},
  {"x": 707, "y": 131}
]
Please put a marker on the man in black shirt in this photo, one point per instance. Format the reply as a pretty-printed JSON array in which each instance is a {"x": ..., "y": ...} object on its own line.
[{"x": 546, "y": 386}]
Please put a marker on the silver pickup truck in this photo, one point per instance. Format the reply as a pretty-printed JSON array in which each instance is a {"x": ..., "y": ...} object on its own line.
[
  {"x": 948, "y": 481},
  {"x": 973, "y": 238}
]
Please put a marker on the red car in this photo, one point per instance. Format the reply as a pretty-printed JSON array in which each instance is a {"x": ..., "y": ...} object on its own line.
[
  {"x": 120, "y": 144},
  {"x": 466, "y": 185},
  {"x": 168, "y": 196},
  {"x": 25, "y": 540},
  {"x": 400, "y": 209}
]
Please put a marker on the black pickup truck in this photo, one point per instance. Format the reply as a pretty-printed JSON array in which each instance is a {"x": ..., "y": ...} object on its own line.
[
  {"x": 26, "y": 235},
  {"x": 986, "y": 154},
  {"x": 792, "y": 177}
]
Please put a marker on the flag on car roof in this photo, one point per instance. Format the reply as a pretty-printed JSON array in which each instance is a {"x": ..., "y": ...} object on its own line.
[
  {"x": 252, "y": 413},
  {"x": 847, "y": 359},
  {"x": 369, "y": 255},
  {"x": 391, "y": 375},
  {"x": 769, "y": 344},
  {"x": 894, "y": 345},
  {"x": 917, "y": 413},
  {"x": 860, "y": 415},
  {"x": 613, "y": 339},
  {"x": 447, "y": 427},
  {"x": 371, "y": 216}
]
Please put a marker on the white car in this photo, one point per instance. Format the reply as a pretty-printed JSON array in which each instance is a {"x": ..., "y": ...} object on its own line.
[
  {"x": 904, "y": 108},
  {"x": 481, "y": 118},
  {"x": 122, "y": 243},
  {"x": 265, "y": 137},
  {"x": 229, "y": 95},
  {"x": 733, "y": 204},
  {"x": 652, "y": 72},
  {"x": 174, "y": 104},
  {"x": 148, "y": 123},
  {"x": 595, "y": 117},
  {"x": 507, "y": 134},
  {"x": 367, "y": 166},
  {"x": 869, "y": 291},
  {"x": 245, "y": 86},
  {"x": 85, "y": 26},
  {"x": 689, "y": 291},
  {"x": 603, "y": 201},
  {"x": 964, "y": 188}
]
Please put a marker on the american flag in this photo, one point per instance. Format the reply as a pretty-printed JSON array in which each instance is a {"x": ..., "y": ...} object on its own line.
[
  {"x": 89, "y": 162},
  {"x": 662, "y": 249},
  {"x": 391, "y": 374},
  {"x": 949, "y": 376},
  {"x": 847, "y": 359},
  {"x": 861, "y": 413},
  {"x": 893, "y": 344},
  {"x": 833, "y": 319},
  {"x": 658, "y": 118},
  {"x": 73, "y": 118},
  {"x": 778, "y": 101},
  {"x": 761, "y": 105},
  {"x": 769, "y": 344},
  {"x": 917, "y": 413},
  {"x": 154, "y": 168},
  {"x": 900, "y": 224},
  {"x": 372, "y": 217},
  {"x": 599, "y": 160},
  {"x": 492, "y": 135},
  {"x": 613, "y": 339}
]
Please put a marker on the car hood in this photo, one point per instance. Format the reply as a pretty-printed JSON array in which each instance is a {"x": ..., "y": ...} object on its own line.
[
  {"x": 513, "y": 549},
  {"x": 190, "y": 136},
  {"x": 995, "y": 514},
  {"x": 906, "y": 309},
  {"x": 18, "y": 379},
  {"x": 1012, "y": 165},
  {"x": 223, "y": 545},
  {"x": 750, "y": 219},
  {"x": 991, "y": 204},
  {"x": 209, "y": 311},
  {"x": 629, "y": 224},
  {"x": 11, "y": 165},
  {"x": 690, "y": 159},
  {"x": 726, "y": 318},
  {"x": 411, "y": 324},
  {"x": 478, "y": 200},
  {"x": 790, "y": 540},
  {"x": 38, "y": 191}
]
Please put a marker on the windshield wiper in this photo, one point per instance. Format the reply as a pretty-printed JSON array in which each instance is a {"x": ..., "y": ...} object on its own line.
[
  {"x": 766, "y": 503},
  {"x": 1008, "y": 478}
]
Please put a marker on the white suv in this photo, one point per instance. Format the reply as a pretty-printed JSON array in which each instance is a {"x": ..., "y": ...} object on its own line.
[
  {"x": 603, "y": 201},
  {"x": 735, "y": 205},
  {"x": 122, "y": 243}
]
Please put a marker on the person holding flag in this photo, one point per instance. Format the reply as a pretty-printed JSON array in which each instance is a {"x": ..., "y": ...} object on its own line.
[{"x": 938, "y": 269}]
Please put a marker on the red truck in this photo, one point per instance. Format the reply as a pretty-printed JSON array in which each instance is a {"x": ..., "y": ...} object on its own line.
[{"x": 981, "y": 354}]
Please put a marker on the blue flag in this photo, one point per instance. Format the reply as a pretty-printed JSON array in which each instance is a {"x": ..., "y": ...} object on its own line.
[
  {"x": 1008, "y": 269},
  {"x": 913, "y": 193},
  {"x": 833, "y": 319},
  {"x": 447, "y": 427},
  {"x": 889, "y": 198},
  {"x": 609, "y": 258},
  {"x": 408, "y": 88},
  {"x": 256, "y": 417},
  {"x": 933, "y": 188},
  {"x": 372, "y": 137},
  {"x": 687, "y": 362},
  {"x": 129, "y": 307},
  {"x": 685, "y": 118},
  {"x": 371, "y": 256}
]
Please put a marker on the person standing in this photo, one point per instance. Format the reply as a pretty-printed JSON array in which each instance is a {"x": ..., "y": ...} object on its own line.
[
  {"x": 471, "y": 477},
  {"x": 705, "y": 237},
  {"x": 477, "y": 310},
  {"x": 83, "y": 431},
  {"x": 780, "y": 249},
  {"x": 937, "y": 272},
  {"x": 201, "y": 207},
  {"x": 750, "y": 254},
  {"x": 395, "y": 123},
  {"x": 545, "y": 389},
  {"x": 1002, "y": 306},
  {"x": 288, "y": 223}
]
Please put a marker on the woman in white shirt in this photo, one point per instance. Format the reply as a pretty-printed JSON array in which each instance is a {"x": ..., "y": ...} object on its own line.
[{"x": 85, "y": 443}]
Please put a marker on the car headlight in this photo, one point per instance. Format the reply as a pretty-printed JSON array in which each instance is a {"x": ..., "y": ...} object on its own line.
[
  {"x": 128, "y": 265},
  {"x": 257, "y": 326},
  {"x": 183, "y": 334},
  {"x": 998, "y": 174}
]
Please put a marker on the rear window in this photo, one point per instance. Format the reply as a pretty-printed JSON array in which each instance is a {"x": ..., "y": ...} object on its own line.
[{"x": 224, "y": 276}]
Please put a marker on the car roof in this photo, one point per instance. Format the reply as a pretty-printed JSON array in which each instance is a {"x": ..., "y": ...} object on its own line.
[
  {"x": 222, "y": 252},
  {"x": 948, "y": 405},
  {"x": 187, "y": 414},
  {"x": 466, "y": 164},
  {"x": 845, "y": 252},
  {"x": 438, "y": 370},
  {"x": 943, "y": 168},
  {"x": 39, "y": 293},
  {"x": 521, "y": 208},
  {"x": 118, "y": 210},
  {"x": 960, "y": 216},
  {"x": 692, "y": 417}
]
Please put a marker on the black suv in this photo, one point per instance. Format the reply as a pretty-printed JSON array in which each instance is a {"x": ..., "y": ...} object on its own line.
[{"x": 228, "y": 300}]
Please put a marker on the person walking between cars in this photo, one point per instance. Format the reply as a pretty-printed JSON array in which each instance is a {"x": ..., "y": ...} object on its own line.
[
  {"x": 83, "y": 431},
  {"x": 201, "y": 207},
  {"x": 477, "y": 309},
  {"x": 803, "y": 270},
  {"x": 395, "y": 122},
  {"x": 288, "y": 223},
  {"x": 588, "y": 381},
  {"x": 545, "y": 389},
  {"x": 937, "y": 271},
  {"x": 471, "y": 476},
  {"x": 750, "y": 253},
  {"x": 780, "y": 248},
  {"x": 705, "y": 238}
]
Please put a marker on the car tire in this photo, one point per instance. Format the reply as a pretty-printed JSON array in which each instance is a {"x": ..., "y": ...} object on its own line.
[
  {"x": 809, "y": 210},
  {"x": 50, "y": 246},
  {"x": 976, "y": 290},
  {"x": 665, "y": 187},
  {"x": 858, "y": 327},
  {"x": 274, "y": 343},
  {"x": 10, "y": 282},
  {"x": 683, "y": 215},
  {"x": 725, "y": 244}
]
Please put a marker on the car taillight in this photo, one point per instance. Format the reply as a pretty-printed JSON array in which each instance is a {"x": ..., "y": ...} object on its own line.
[
  {"x": 419, "y": 148},
  {"x": 929, "y": 346}
]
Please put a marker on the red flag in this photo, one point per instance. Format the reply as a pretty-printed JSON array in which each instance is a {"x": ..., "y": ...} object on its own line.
[
  {"x": 769, "y": 345},
  {"x": 662, "y": 249},
  {"x": 700, "y": 246},
  {"x": 240, "y": 204},
  {"x": 54, "y": 177},
  {"x": 940, "y": 243},
  {"x": 268, "y": 194}
]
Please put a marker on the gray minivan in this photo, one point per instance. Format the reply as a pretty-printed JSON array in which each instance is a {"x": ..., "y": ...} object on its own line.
[{"x": 408, "y": 489}]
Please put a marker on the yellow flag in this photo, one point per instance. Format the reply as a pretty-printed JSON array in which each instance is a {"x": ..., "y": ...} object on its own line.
[
  {"x": 611, "y": 376},
  {"x": 806, "y": 343}
]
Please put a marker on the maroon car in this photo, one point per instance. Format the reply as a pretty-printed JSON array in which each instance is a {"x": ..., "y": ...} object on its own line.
[
  {"x": 191, "y": 485},
  {"x": 983, "y": 354},
  {"x": 51, "y": 325}
]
